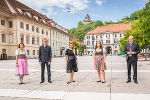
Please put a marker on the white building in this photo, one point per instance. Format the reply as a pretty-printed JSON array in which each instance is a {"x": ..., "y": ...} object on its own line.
[{"x": 108, "y": 35}]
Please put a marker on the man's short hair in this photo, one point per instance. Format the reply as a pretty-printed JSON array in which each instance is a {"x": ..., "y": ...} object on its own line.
[
  {"x": 44, "y": 39},
  {"x": 131, "y": 37}
]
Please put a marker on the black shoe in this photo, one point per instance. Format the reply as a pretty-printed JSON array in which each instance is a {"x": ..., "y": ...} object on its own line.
[
  {"x": 128, "y": 81},
  {"x": 73, "y": 81},
  {"x": 103, "y": 81},
  {"x": 99, "y": 81},
  {"x": 41, "y": 82},
  {"x": 135, "y": 81},
  {"x": 68, "y": 82},
  {"x": 49, "y": 81},
  {"x": 20, "y": 83}
]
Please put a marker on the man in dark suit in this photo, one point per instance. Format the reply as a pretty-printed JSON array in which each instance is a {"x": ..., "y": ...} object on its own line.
[
  {"x": 131, "y": 51},
  {"x": 45, "y": 57}
]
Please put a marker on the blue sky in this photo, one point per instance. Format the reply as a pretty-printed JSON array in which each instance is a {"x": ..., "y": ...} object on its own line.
[{"x": 105, "y": 10}]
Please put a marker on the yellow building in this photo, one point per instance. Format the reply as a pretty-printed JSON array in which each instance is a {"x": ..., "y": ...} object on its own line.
[{"x": 19, "y": 23}]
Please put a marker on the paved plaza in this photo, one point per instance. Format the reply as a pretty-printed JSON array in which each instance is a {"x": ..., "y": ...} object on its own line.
[{"x": 85, "y": 87}]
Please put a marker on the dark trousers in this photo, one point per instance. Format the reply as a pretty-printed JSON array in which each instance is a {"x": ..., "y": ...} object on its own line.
[
  {"x": 134, "y": 65},
  {"x": 43, "y": 71}
]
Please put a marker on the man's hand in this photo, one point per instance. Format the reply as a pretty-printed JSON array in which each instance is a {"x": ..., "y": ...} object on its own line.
[
  {"x": 49, "y": 63},
  {"x": 133, "y": 53},
  {"x": 40, "y": 63},
  {"x": 129, "y": 53}
]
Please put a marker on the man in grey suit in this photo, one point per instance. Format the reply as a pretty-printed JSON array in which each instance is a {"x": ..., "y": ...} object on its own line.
[
  {"x": 45, "y": 57},
  {"x": 131, "y": 51}
]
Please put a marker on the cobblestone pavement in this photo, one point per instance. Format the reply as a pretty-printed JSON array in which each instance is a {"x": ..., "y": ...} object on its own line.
[{"x": 85, "y": 87}]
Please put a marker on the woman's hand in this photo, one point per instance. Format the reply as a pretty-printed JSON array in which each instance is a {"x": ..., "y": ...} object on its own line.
[
  {"x": 66, "y": 62},
  {"x": 16, "y": 65},
  {"x": 105, "y": 62},
  {"x": 77, "y": 62}
]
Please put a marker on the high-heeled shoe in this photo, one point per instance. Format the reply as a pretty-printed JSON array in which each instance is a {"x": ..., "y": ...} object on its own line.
[
  {"x": 103, "y": 81},
  {"x": 99, "y": 81}
]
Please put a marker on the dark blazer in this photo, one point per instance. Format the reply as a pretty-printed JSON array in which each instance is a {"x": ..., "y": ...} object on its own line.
[
  {"x": 134, "y": 48},
  {"x": 45, "y": 54}
]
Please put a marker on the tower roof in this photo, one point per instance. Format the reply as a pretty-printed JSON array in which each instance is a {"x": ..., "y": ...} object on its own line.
[{"x": 87, "y": 18}]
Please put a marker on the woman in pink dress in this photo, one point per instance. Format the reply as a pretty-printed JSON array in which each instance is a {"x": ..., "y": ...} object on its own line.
[
  {"x": 21, "y": 63},
  {"x": 99, "y": 61}
]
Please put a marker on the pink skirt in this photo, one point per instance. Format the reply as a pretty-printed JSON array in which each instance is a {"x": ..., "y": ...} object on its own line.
[{"x": 22, "y": 68}]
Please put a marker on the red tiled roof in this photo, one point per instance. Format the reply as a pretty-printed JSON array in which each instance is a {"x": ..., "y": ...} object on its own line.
[
  {"x": 112, "y": 28},
  {"x": 18, "y": 5}
]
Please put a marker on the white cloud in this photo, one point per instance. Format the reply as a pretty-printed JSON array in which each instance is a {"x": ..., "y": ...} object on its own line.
[
  {"x": 99, "y": 2},
  {"x": 53, "y": 7}
]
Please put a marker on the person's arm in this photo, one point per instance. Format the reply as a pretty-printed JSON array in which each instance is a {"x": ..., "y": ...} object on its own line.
[
  {"x": 26, "y": 56},
  {"x": 50, "y": 54},
  {"x": 40, "y": 54},
  {"x": 76, "y": 59},
  {"x": 125, "y": 49},
  {"x": 104, "y": 57},
  {"x": 66, "y": 59},
  {"x": 16, "y": 58},
  {"x": 66, "y": 56},
  {"x": 94, "y": 57}
]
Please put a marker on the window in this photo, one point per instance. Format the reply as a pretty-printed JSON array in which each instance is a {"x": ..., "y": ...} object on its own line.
[
  {"x": 115, "y": 35},
  {"x": 116, "y": 41},
  {"x": 107, "y": 41},
  {"x": 101, "y": 36},
  {"x": 120, "y": 35},
  {"x": 28, "y": 52},
  {"x": 37, "y": 29},
  {"x": 38, "y": 42},
  {"x": 107, "y": 35},
  {"x": 3, "y": 38},
  {"x": 101, "y": 41},
  {"x": 27, "y": 40},
  {"x": 93, "y": 38},
  {"x": 10, "y": 24},
  {"x": 115, "y": 46},
  {"x": 46, "y": 33},
  {"x": 3, "y": 22},
  {"x": 42, "y": 31},
  {"x": 33, "y": 40},
  {"x": 37, "y": 52},
  {"x": 96, "y": 37},
  {"x": 33, "y": 28},
  {"x": 27, "y": 26},
  {"x": 10, "y": 38},
  {"x": 88, "y": 37},
  {"x": 22, "y": 38},
  {"x": 4, "y": 51},
  {"x": 88, "y": 42},
  {"x": 33, "y": 52},
  {"x": 92, "y": 42},
  {"x": 23, "y": 12},
  {"x": 21, "y": 25}
]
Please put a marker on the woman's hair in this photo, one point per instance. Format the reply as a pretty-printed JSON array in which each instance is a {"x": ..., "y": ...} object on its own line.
[
  {"x": 20, "y": 44},
  {"x": 100, "y": 44},
  {"x": 71, "y": 43}
]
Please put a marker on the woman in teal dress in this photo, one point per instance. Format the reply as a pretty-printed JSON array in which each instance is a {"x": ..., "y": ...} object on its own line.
[{"x": 99, "y": 61}]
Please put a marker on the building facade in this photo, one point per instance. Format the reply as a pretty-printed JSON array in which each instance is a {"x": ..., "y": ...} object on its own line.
[
  {"x": 109, "y": 36},
  {"x": 19, "y": 23}
]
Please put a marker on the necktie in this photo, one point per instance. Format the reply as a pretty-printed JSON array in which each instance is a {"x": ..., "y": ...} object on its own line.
[{"x": 130, "y": 49}]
